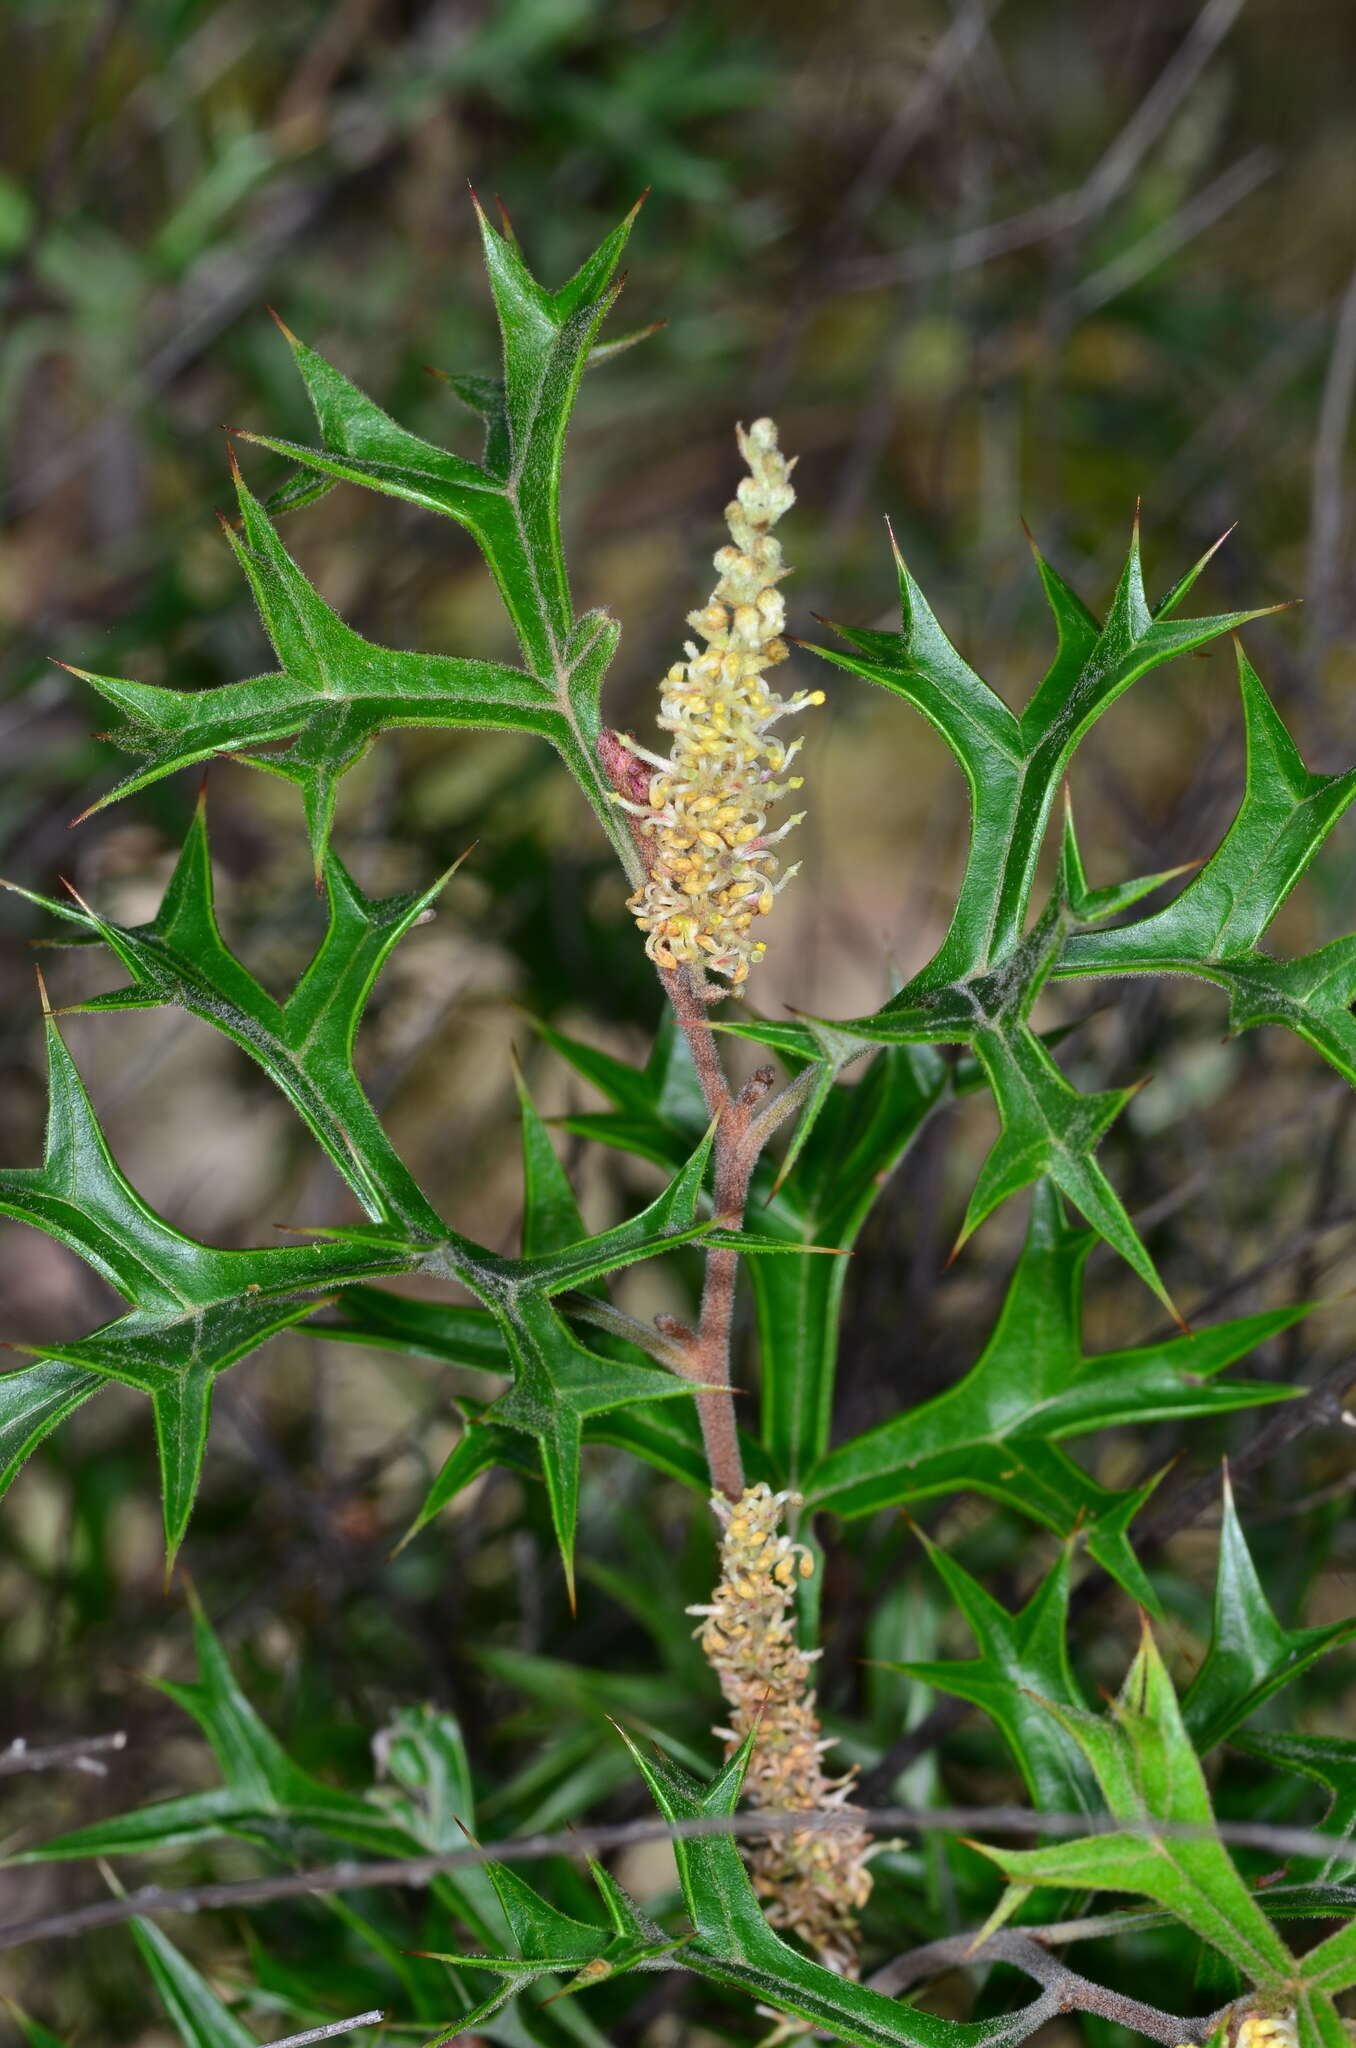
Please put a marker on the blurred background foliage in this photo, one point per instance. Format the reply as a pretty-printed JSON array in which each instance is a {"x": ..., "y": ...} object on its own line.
[{"x": 1004, "y": 259}]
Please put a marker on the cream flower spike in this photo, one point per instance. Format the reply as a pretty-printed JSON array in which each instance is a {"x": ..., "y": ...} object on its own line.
[
  {"x": 813, "y": 1881},
  {"x": 701, "y": 816}
]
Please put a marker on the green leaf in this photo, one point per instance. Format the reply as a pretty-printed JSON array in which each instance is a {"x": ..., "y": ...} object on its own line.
[
  {"x": 658, "y": 1110},
  {"x": 980, "y": 986},
  {"x": 1213, "y": 927},
  {"x": 1331, "y": 1967},
  {"x": 176, "y": 1361},
  {"x": 1024, "y": 1659},
  {"x": 669, "y": 1438},
  {"x": 858, "y": 1139},
  {"x": 509, "y": 502},
  {"x": 80, "y": 1196},
  {"x": 452, "y": 1334},
  {"x": 1331, "y": 1761},
  {"x": 1320, "y": 2023},
  {"x": 667, "y": 1222},
  {"x": 998, "y": 1430},
  {"x": 551, "y": 1944},
  {"x": 266, "y": 1798},
  {"x": 33, "y": 2032},
  {"x": 200, "y": 2019},
  {"x": 305, "y": 1044},
  {"x": 1013, "y": 766},
  {"x": 733, "y": 1943},
  {"x": 557, "y": 1384},
  {"x": 551, "y": 1218},
  {"x": 1049, "y": 1129},
  {"x": 333, "y": 694},
  {"x": 33, "y": 1400},
  {"x": 194, "y": 1310},
  {"x": 1146, "y": 1767},
  {"x": 262, "y": 1794},
  {"x": 1250, "y": 1656}
]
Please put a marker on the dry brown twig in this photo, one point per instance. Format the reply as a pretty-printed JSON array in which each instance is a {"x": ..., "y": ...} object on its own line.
[
  {"x": 84, "y": 1753},
  {"x": 155, "y": 1901}
]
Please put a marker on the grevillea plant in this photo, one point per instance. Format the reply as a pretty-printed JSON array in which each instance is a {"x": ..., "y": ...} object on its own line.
[{"x": 776, "y": 1919}]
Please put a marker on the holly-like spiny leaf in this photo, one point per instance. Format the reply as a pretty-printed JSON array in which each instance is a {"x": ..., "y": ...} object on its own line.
[
  {"x": 733, "y": 1943},
  {"x": 304, "y": 1044},
  {"x": 998, "y": 1430},
  {"x": 1330, "y": 1760},
  {"x": 267, "y": 1798},
  {"x": 509, "y": 501},
  {"x": 1250, "y": 1655},
  {"x": 194, "y": 1310},
  {"x": 1024, "y": 1658},
  {"x": 1013, "y": 764},
  {"x": 980, "y": 985},
  {"x": 1213, "y": 928},
  {"x": 1146, "y": 1767}
]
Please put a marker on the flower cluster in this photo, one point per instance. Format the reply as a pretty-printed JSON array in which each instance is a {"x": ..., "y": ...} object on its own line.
[
  {"x": 702, "y": 814},
  {"x": 815, "y": 1883},
  {"x": 1260, "y": 2029}
]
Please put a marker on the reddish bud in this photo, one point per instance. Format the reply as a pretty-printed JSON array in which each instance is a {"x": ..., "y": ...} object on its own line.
[{"x": 629, "y": 776}]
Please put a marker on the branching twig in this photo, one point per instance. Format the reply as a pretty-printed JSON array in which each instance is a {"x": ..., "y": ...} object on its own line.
[
  {"x": 1064, "y": 1989},
  {"x": 332, "y": 2032},
  {"x": 82, "y": 1754},
  {"x": 1327, "y": 499},
  {"x": 418, "y": 1871},
  {"x": 1067, "y": 211},
  {"x": 1200, "y": 212}
]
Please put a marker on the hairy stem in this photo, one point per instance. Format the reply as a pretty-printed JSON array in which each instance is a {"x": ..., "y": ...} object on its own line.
[{"x": 1065, "y": 1990}]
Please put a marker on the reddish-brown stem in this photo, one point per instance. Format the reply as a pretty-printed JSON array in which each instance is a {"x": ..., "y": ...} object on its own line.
[
  {"x": 739, "y": 1138},
  {"x": 742, "y": 1130}
]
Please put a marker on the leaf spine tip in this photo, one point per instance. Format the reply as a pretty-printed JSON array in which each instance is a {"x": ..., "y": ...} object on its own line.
[
  {"x": 69, "y": 886},
  {"x": 276, "y": 317}
]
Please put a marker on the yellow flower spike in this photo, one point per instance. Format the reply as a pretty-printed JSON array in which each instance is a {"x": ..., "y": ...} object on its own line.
[
  {"x": 710, "y": 871},
  {"x": 814, "y": 1883}
]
